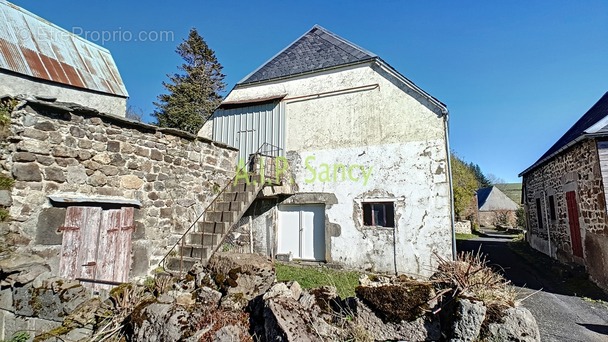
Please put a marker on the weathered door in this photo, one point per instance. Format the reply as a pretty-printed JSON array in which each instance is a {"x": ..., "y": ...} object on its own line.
[
  {"x": 302, "y": 231},
  {"x": 96, "y": 244},
  {"x": 573, "y": 220}
]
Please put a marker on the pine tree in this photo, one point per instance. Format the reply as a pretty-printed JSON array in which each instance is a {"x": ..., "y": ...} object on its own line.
[{"x": 194, "y": 94}]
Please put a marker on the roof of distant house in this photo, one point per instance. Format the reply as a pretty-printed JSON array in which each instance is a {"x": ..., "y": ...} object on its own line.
[
  {"x": 34, "y": 47},
  {"x": 492, "y": 199},
  {"x": 512, "y": 190},
  {"x": 317, "y": 49},
  {"x": 593, "y": 122}
]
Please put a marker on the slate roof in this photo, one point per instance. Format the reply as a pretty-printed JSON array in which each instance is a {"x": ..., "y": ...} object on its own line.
[
  {"x": 34, "y": 47},
  {"x": 598, "y": 113},
  {"x": 512, "y": 190},
  {"x": 491, "y": 199},
  {"x": 316, "y": 50}
]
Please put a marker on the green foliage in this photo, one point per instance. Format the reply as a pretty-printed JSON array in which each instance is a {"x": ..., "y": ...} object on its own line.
[
  {"x": 482, "y": 180},
  {"x": 521, "y": 217},
  {"x": 4, "y": 215},
  {"x": 465, "y": 185},
  {"x": 313, "y": 277},
  {"x": 6, "y": 108},
  {"x": 195, "y": 93},
  {"x": 21, "y": 336},
  {"x": 6, "y": 183}
]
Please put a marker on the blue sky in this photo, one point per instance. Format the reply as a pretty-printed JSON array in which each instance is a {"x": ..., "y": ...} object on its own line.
[{"x": 514, "y": 74}]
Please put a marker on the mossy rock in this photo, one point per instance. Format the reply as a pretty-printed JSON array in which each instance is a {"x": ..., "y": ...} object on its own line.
[{"x": 397, "y": 302}]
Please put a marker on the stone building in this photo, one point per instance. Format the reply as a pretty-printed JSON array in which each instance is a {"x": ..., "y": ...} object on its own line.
[
  {"x": 367, "y": 150},
  {"x": 39, "y": 58},
  {"x": 495, "y": 208},
  {"x": 98, "y": 197},
  {"x": 564, "y": 195}
]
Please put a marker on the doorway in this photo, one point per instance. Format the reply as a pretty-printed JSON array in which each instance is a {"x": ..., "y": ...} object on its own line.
[{"x": 301, "y": 231}]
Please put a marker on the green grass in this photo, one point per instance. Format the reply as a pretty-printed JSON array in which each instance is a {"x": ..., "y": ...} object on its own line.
[
  {"x": 314, "y": 276},
  {"x": 465, "y": 236}
]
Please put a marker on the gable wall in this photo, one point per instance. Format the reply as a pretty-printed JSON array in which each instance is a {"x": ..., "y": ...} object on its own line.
[
  {"x": 576, "y": 169},
  {"x": 381, "y": 128}
]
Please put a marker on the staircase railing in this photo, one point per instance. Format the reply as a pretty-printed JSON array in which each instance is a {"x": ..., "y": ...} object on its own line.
[{"x": 251, "y": 166}]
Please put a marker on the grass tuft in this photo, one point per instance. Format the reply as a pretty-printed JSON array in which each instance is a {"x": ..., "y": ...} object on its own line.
[{"x": 310, "y": 277}]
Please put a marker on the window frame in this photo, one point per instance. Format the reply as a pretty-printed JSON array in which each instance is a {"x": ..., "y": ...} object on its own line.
[
  {"x": 552, "y": 209},
  {"x": 370, "y": 219}
]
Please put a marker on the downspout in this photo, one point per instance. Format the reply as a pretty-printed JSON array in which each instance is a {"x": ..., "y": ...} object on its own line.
[
  {"x": 546, "y": 217},
  {"x": 450, "y": 180}
]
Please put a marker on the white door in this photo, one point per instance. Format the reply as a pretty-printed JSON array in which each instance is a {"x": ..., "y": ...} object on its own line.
[{"x": 302, "y": 231}]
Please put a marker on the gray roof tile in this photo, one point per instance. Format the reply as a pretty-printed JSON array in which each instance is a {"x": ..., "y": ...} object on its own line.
[{"x": 318, "y": 49}]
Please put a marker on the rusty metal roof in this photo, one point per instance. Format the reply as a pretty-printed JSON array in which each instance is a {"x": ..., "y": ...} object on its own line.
[{"x": 32, "y": 46}]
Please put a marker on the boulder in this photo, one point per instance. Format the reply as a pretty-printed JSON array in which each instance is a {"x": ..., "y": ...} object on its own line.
[
  {"x": 241, "y": 277},
  {"x": 517, "y": 324},
  {"x": 286, "y": 320},
  {"x": 229, "y": 333},
  {"x": 399, "y": 301},
  {"x": 160, "y": 322},
  {"x": 424, "y": 328},
  {"x": 467, "y": 320}
]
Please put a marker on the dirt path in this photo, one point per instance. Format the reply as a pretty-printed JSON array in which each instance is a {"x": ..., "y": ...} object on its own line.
[{"x": 562, "y": 313}]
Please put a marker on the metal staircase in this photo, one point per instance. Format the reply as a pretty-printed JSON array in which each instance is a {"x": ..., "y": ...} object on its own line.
[{"x": 207, "y": 233}]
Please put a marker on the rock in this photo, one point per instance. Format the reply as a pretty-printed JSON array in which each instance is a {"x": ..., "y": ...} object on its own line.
[
  {"x": 209, "y": 297},
  {"x": 278, "y": 290},
  {"x": 296, "y": 290},
  {"x": 285, "y": 320},
  {"x": 161, "y": 322},
  {"x": 467, "y": 321},
  {"x": 517, "y": 324},
  {"x": 21, "y": 269},
  {"x": 403, "y": 301},
  {"x": 53, "y": 301},
  {"x": 229, "y": 333},
  {"x": 76, "y": 174},
  {"x": 182, "y": 298},
  {"x": 424, "y": 328},
  {"x": 29, "y": 172},
  {"x": 241, "y": 277},
  {"x": 165, "y": 299},
  {"x": 6, "y": 200},
  {"x": 131, "y": 182}
]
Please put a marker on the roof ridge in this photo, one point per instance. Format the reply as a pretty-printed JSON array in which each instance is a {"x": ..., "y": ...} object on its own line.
[{"x": 345, "y": 41}]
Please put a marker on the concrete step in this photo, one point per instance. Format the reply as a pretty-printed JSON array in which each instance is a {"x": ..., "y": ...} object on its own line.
[
  {"x": 173, "y": 263},
  {"x": 213, "y": 227},
  {"x": 230, "y": 196},
  {"x": 203, "y": 239},
  {"x": 195, "y": 251},
  {"x": 221, "y": 216},
  {"x": 228, "y": 206}
]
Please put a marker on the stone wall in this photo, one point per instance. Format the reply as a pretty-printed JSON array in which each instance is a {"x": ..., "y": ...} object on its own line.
[
  {"x": 60, "y": 149},
  {"x": 577, "y": 169}
]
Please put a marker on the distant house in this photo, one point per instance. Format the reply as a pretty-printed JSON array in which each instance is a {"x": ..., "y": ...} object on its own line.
[
  {"x": 565, "y": 195},
  {"x": 512, "y": 190},
  {"x": 39, "y": 58},
  {"x": 366, "y": 147},
  {"x": 495, "y": 208}
]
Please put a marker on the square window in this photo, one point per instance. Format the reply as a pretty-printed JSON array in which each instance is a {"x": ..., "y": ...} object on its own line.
[{"x": 379, "y": 214}]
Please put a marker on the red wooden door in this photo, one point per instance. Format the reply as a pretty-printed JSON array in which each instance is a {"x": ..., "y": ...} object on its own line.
[{"x": 575, "y": 228}]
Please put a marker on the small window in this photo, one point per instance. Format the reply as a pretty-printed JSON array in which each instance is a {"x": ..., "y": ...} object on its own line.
[
  {"x": 379, "y": 214},
  {"x": 539, "y": 214},
  {"x": 552, "y": 208}
]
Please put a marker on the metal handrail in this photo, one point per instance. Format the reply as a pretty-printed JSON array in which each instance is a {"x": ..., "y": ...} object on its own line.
[{"x": 181, "y": 239}]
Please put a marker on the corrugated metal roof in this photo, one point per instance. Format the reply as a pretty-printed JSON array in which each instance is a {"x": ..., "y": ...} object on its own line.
[{"x": 32, "y": 46}]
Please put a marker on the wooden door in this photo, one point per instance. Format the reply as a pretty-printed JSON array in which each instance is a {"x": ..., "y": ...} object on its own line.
[
  {"x": 575, "y": 228},
  {"x": 96, "y": 244}
]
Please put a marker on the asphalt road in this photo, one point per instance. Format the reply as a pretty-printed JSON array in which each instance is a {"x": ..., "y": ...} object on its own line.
[{"x": 561, "y": 315}]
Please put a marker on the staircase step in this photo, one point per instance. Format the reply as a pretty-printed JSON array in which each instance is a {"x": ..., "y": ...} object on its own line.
[
  {"x": 213, "y": 227},
  {"x": 187, "y": 263},
  {"x": 221, "y": 216},
  {"x": 195, "y": 251},
  {"x": 230, "y": 196},
  {"x": 203, "y": 239},
  {"x": 228, "y": 206}
]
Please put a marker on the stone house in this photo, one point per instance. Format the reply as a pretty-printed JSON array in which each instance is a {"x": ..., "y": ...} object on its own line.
[
  {"x": 37, "y": 57},
  {"x": 101, "y": 198},
  {"x": 564, "y": 195},
  {"x": 365, "y": 151},
  {"x": 495, "y": 208}
]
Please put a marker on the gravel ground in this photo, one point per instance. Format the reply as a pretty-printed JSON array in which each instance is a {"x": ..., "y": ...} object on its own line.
[{"x": 561, "y": 314}]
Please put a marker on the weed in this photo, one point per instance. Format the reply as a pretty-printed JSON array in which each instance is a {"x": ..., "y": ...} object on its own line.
[
  {"x": 20, "y": 336},
  {"x": 6, "y": 183},
  {"x": 4, "y": 215}
]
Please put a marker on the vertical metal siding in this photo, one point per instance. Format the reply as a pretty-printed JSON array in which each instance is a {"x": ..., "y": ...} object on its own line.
[{"x": 249, "y": 128}]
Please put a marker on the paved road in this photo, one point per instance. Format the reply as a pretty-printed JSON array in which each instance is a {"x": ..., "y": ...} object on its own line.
[{"x": 561, "y": 316}]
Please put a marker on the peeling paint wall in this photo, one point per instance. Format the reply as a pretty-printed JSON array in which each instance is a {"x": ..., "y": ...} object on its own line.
[{"x": 353, "y": 120}]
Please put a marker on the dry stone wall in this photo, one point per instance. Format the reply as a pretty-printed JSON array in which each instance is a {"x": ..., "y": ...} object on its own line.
[{"x": 58, "y": 148}]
